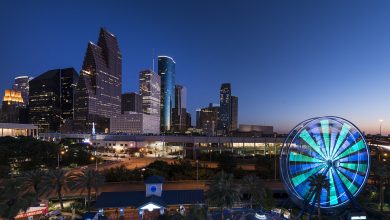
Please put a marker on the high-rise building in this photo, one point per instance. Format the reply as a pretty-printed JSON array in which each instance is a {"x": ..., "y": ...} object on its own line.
[
  {"x": 197, "y": 123},
  {"x": 150, "y": 91},
  {"x": 166, "y": 70},
  {"x": 188, "y": 120},
  {"x": 225, "y": 116},
  {"x": 234, "y": 112},
  {"x": 99, "y": 91},
  {"x": 11, "y": 106},
  {"x": 209, "y": 119},
  {"x": 179, "y": 112},
  {"x": 21, "y": 85},
  {"x": 131, "y": 102},
  {"x": 51, "y": 98}
]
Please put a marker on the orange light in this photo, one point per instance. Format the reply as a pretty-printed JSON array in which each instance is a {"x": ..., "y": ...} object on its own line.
[{"x": 92, "y": 158}]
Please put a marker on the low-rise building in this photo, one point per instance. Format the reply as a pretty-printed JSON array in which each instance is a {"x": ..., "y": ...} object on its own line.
[
  {"x": 15, "y": 129},
  {"x": 155, "y": 200}
]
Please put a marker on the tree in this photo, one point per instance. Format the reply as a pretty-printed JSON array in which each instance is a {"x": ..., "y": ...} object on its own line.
[
  {"x": 13, "y": 198},
  {"x": 86, "y": 180},
  {"x": 253, "y": 187},
  {"x": 33, "y": 181},
  {"x": 196, "y": 212},
  {"x": 383, "y": 172},
  {"x": 57, "y": 181},
  {"x": 223, "y": 193},
  {"x": 226, "y": 162},
  {"x": 268, "y": 200},
  {"x": 318, "y": 182}
]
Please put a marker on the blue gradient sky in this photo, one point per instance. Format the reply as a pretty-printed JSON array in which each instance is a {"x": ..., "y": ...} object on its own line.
[{"x": 286, "y": 60}]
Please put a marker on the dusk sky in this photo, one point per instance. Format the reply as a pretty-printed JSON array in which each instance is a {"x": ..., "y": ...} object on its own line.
[{"x": 286, "y": 60}]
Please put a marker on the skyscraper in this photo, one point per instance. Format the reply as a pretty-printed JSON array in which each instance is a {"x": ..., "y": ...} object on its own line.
[
  {"x": 131, "y": 102},
  {"x": 179, "y": 112},
  {"x": 209, "y": 119},
  {"x": 11, "y": 106},
  {"x": 166, "y": 70},
  {"x": 197, "y": 123},
  {"x": 21, "y": 85},
  {"x": 51, "y": 98},
  {"x": 150, "y": 91},
  {"x": 225, "y": 117},
  {"x": 234, "y": 112},
  {"x": 99, "y": 91}
]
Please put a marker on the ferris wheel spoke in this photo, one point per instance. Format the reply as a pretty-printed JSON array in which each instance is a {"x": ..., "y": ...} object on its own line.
[
  {"x": 303, "y": 158},
  {"x": 304, "y": 176},
  {"x": 309, "y": 140},
  {"x": 325, "y": 135},
  {"x": 344, "y": 131},
  {"x": 350, "y": 150},
  {"x": 355, "y": 167},
  {"x": 332, "y": 189},
  {"x": 348, "y": 184}
]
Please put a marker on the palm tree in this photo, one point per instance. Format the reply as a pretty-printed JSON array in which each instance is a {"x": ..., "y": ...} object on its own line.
[
  {"x": 13, "y": 198},
  {"x": 318, "y": 182},
  {"x": 57, "y": 181},
  {"x": 253, "y": 187},
  {"x": 86, "y": 180},
  {"x": 223, "y": 193},
  {"x": 32, "y": 181}
]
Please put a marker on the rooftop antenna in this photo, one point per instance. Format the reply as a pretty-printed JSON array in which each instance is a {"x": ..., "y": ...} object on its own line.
[{"x": 153, "y": 58}]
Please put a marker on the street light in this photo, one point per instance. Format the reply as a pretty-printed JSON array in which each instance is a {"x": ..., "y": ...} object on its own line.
[{"x": 94, "y": 158}]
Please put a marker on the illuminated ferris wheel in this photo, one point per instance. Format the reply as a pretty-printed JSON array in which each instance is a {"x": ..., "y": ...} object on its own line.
[{"x": 330, "y": 146}]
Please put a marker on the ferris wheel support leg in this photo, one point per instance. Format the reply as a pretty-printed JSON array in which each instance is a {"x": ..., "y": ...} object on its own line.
[
  {"x": 313, "y": 203},
  {"x": 351, "y": 198},
  {"x": 306, "y": 204}
]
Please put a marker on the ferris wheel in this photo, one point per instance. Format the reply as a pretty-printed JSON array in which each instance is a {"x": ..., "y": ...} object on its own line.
[{"x": 331, "y": 146}]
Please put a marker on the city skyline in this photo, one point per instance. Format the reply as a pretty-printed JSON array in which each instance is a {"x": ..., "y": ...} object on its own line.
[{"x": 280, "y": 80}]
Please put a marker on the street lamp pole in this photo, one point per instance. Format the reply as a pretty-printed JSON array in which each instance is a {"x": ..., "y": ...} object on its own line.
[
  {"x": 95, "y": 160},
  {"x": 60, "y": 152},
  {"x": 197, "y": 170}
]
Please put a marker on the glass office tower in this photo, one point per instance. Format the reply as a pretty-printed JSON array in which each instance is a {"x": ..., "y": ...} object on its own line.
[
  {"x": 99, "y": 90},
  {"x": 166, "y": 70},
  {"x": 51, "y": 99},
  {"x": 150, "y": 90}
]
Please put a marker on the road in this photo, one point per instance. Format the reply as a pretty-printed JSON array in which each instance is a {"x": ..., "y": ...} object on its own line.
[{"x": 137, "y": 162}]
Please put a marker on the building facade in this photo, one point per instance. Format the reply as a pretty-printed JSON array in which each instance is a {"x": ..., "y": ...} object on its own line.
[
  {"x": 99, "y": 91},
  {"x": 234, "y": 113},
  {"x": 225, "y": 108},
  {"x": 179, "y": 112},
  {"x": 150, "y": 91},
  {"x": 131, "y": 102},
  {"x": 51, "y": 98},
  {"x": 21, "y": 85},
  {"x": 135, "y": 123},
  {"x": 166, "y": 70}
]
